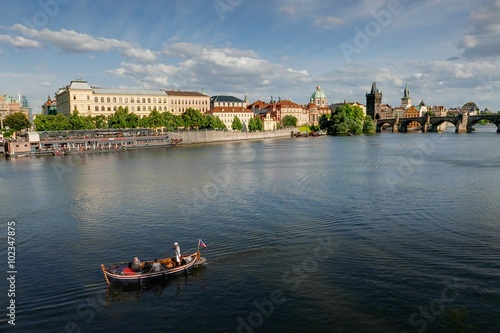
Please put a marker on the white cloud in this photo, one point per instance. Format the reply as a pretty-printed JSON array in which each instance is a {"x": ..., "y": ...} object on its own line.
[
  {"x": 74, "y": 42},
  {"x": 45, "y": 84},
  {"x": 483, "y": 40},
  {"x": 19, "y": 41},
  {"x": 328, "y": 22}
]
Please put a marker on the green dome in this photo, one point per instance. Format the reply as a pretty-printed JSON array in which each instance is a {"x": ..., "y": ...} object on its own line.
[{"x": 318, "y": 93}]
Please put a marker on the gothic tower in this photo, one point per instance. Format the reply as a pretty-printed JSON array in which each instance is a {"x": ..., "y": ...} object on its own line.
[
  {"x": 374, "y": 102},
  {"x": 406, "y": 100}
]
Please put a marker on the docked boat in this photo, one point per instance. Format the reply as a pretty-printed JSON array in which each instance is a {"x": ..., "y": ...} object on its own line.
[{"x": 123, "y": 274}]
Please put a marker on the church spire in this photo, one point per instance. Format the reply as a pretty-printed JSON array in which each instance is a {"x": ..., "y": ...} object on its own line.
[{"x": 406, "y": 92}]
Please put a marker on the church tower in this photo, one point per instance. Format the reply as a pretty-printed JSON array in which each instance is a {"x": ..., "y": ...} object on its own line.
[
  {"x": 406, "y": 100},
  {"x": 374, "y": 102}
]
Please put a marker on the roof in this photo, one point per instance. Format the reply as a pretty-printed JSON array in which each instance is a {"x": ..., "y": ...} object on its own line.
[
  {"x": 318, "y": 93},
  {"x": 184, "y": 93},
  {"x": 80, "y": 85},
  {"x": 222, "y": 109},
  {"x": 225, "y": 98},
  {"x": 100, "y": 91}
]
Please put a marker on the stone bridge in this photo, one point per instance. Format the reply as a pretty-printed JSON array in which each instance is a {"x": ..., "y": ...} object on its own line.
[{"x": 463, "y": 123}]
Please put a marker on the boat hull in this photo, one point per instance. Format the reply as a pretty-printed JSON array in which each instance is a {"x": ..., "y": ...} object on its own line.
[{"x": 138, "y": 279}]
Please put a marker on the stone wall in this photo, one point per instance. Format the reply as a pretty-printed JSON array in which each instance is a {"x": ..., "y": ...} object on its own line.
[{"x": 204, "y": 136}]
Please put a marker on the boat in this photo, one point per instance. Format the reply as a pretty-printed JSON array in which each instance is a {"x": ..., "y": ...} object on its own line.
[{"x": 122, "y": 273}]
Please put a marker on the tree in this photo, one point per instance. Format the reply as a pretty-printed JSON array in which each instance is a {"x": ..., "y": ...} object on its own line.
[
  {"x": 237, "y": 125},
  {"x": 119, "y": 118},
  {"x": 255, "y": 124},
  {"x": 17, "y": 121},
  {"x": 214, "y": 122},
  {"x": 42, "y": 123},
  {"x": 347, "y": 119},
  {"x": 78, "y": 122},
  {"x": 323, "y": 121},
  {"x": 193, "y": 118},
  {"x": 59, "y": 122},
  {"x": 289, "y": 121},
  {"x": 369, "y": 125},
  {"x": 100, "y": 121}
]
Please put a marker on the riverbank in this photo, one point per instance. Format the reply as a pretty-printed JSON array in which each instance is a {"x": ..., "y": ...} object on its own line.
[
  {"x": 203, "y": 136},
  {"x": 87, "y": 142}
]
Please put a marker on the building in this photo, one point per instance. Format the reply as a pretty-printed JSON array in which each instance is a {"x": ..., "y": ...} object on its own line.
[
  {"x": 374, "y": 103},
  {"x": 10, "y": 105},
  {"x": 227, "y": 114},
  {"x": 406, "y": 100},
  {"x": 179, "y": 101},
  {"x": 223, "y": 101},
  {"x": 93, "y": 101},
  {"x": 49, "y": 108}
]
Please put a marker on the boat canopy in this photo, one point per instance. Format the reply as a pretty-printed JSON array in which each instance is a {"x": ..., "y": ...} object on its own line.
[{"x": 33, "y": 137}]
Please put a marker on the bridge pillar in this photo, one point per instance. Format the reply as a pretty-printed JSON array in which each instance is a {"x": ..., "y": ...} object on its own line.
[{"x": 461, "y": 125}]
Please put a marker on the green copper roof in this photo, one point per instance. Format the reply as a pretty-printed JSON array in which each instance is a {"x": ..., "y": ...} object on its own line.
[{"x": 318, "y": 93}]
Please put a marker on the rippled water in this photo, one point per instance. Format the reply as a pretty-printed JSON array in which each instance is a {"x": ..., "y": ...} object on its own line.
[{"x": 333, "y": 234}]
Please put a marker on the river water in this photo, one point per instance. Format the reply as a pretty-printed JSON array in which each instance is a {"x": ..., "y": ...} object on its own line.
[{"x": 375, "y": 233}]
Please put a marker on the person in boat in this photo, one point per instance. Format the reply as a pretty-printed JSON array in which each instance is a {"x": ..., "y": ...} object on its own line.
[
  {"x": 136, "y": 265},
  {"x": 177, "y": 250},
  {"x": 156, "y": 267}
]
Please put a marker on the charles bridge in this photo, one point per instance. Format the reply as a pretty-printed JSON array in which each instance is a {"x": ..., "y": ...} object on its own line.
[{"x": 463, "y": 123}]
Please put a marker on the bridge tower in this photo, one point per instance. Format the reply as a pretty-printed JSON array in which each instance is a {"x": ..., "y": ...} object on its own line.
[{"x": 374, "y": 102}]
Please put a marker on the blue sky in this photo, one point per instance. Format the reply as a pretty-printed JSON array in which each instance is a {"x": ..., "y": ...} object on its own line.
[{"x": 447, "y": 51}]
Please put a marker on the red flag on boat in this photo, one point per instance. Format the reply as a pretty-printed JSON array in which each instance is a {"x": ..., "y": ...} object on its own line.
[{"x": 200, "y": 243}]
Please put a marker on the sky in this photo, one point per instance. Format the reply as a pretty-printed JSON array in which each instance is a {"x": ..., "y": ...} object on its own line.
[{"x": 447, "y": 51}]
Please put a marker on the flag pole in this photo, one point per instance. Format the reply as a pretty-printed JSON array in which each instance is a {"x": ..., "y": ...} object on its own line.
[{"x": 198, "y": 251}]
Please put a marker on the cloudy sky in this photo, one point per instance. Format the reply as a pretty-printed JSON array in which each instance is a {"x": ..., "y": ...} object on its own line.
[{"x": 447, "y": 51}]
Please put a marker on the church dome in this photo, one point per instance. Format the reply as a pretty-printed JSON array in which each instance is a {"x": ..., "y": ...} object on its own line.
[
  {"x": 318, "y": 93},
  {"x": 470, "y": 106}
]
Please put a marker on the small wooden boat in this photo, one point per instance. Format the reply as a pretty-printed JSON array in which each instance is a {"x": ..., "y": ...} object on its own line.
[{"x": 123, "y": 274}]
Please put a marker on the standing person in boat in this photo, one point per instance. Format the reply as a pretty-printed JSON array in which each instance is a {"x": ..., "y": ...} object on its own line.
[
  {"x": 136, "y": 265},
  {"x": 177, "y": 250},
  {"x": 156, "y": 267}
]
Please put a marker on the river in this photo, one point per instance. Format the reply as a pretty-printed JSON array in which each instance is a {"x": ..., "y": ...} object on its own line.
[{"x": 371, "y": 233}]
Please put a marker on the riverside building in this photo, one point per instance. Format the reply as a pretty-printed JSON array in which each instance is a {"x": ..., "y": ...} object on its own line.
[{"x": 80, "y": 96}]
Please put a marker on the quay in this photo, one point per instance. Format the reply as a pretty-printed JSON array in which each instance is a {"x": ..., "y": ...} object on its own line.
[{"x": 110, "y": 140}]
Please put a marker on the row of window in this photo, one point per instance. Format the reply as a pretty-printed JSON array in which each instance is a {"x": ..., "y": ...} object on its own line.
[
  {"x": 148, "y": 100},
  {"x": 132, "y": 108},
  {"x": 125, "y": 100}
]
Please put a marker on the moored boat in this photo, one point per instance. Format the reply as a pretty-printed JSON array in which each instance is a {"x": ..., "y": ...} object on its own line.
[{"x": 123, "y": 274}]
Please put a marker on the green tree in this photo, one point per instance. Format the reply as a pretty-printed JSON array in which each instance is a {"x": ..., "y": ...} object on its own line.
[
  {"x": 289, "y": 121},
  {"x": 119, "y": 118},
  {"x": 193, "y": 118},
  {"x": 237, "y": 125},
  {"x": 132, "y": 120},
  {"x": 77, "y": 122},
  {"x": 255, "y": 124},
  {"x": 369, "y": 125},
  {"x": 42, "y": 123},
  {"x": 323, "y": 121},
  {"x": 156, "y": 120},
  {"x": 347, "y": 119},
  {"x": 214, "y": 122},
  {"x": 17, "y": 121},
  {"x": 100, "y": 121},
  {"x": 59, "y": 122}
]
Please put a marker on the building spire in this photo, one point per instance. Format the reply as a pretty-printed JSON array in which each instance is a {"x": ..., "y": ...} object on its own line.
[{"x": 406, "y": 92}]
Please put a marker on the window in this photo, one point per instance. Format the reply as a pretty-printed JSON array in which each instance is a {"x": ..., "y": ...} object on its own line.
[
  {"x": 149, "y": 100},
  {"x": 108, "y": 100},
  {"x": 114, "y": 108},
  {"x": 74, "y": 96},
  {"x": 102, "y": 108},
  {"x": 88, "y": 98},
  {"x": 159, "y": 100},
  {"x": 154, "y": 100},
  {"x": 114, "y": 99},
  {"x": 88, "y": 107},
  {"x": 126, "y": 100},
  {"x": 149, "y": 108},
  {"x": 131, "y": 100},
  {"x": 132, "y": 108},
  {"x": 75, "y": 108},
  {"x": 96, "y": 99},
  {"x": 143, "y": 100},
  {"x": 96, "y": 108},
  {"x": 138, "y": 108},
  {"x": 109, "y": 108},
  {"x": 102, "y": 99},
  {"x": 164, "y": 100}
]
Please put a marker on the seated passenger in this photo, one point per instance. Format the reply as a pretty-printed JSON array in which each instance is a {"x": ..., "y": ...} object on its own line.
[
  {"x": 156, "y": 267},
  {"x": 136, "y": 265}
]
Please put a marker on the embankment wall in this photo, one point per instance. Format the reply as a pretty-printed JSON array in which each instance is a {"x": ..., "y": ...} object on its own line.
[{"x": 203, "y": 136}]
